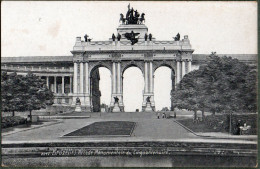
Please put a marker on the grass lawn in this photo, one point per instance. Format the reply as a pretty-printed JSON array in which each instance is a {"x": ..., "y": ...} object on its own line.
[
  {"x": 105, "y": 128},
  {"x": 200, "y": 126}
]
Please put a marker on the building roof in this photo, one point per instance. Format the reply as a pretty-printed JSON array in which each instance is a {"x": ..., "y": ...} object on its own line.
[{"x": 34, "y": 59}]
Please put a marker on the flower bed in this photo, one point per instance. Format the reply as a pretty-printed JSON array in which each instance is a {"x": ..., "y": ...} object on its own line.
[{"x": 10, "y": 121}]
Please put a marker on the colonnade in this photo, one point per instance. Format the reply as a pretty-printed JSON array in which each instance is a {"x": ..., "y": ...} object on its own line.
[{"x": 51, "y": 83}]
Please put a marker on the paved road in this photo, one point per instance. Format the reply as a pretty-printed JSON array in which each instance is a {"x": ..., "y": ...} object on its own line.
[{"x": 148, "y": 127}]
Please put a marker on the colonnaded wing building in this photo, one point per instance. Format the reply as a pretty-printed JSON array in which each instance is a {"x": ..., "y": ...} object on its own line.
[{"x": 76, "y": 77}]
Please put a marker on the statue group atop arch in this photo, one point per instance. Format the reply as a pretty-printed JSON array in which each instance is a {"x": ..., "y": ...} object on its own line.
[
  {"x": 132, "y": 17},
  {"x": 131, "y": 45}
]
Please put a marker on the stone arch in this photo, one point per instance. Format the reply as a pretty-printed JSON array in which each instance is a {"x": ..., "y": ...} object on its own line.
[
  {"x": 171, "y": 64},
  {"x": 161, "y": 63},
  {"x": 95, "y": 65},
  {"x": 128, "y": 64}
]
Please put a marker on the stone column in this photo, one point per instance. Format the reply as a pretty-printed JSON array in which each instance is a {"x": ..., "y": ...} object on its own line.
[
  {"x": 87, "y": 87},
  {"x": 118, "y": 77},
  {"x": 151, "y": 77},
  {"x": 55, "y": 85},
  {"x": 71, "y": 84},
  {"x": 178, "y": 71},
  {"x": 75, "y": 78},
  {"x": 47, "y": 81},
  {"x": 183, "y": 68},
  {"x": 114, "y": 77},
  {"x": 145, "y": 77},
  {"x": 62, "y": 85},
  {"x": 86, "y": 78},
  {"x": 81, "y": 77},
  {"x": 189, "y": 66}
]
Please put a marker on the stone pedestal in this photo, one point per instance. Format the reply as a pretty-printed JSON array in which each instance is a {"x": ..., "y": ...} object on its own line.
[
  {"x": 148, "y": 107},
  {"x": 78, "y": 108},
  {"x": 116, "y": 108}
]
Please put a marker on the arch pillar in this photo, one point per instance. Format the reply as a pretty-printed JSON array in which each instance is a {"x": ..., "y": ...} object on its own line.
[
  {"x": 148, "y": 87},
  {"x": 117, "y": 86}
]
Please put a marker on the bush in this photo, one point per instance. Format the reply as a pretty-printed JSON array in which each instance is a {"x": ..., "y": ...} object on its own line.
[{"x": 11, "y": 121}]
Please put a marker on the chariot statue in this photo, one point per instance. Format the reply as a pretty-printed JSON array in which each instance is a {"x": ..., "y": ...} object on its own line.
[{"x": 132, "y": 17}]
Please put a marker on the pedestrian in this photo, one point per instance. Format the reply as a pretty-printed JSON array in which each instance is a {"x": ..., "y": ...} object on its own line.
[{"x": 158, "y": 115}]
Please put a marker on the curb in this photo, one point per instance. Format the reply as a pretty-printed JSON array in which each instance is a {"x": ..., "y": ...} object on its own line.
[{"x": 190, "y": 130}]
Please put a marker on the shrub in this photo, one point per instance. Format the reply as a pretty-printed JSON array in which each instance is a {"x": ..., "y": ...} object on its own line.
[{"x": 10, "y": 121}]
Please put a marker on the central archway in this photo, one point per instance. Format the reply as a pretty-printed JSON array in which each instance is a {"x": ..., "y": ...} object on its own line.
[{"x": 133, "y": 85}]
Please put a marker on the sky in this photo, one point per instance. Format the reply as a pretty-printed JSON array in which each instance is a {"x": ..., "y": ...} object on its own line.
[{"x": 50, "y": 29}]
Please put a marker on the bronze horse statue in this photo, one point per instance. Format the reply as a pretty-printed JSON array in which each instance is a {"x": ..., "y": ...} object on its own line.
[
  {"x": 141, "y": 19},
  {"x": 122, "y": 18}
]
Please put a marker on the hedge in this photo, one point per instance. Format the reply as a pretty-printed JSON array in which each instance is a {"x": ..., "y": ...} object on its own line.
[{"x": 10, "y": 121}]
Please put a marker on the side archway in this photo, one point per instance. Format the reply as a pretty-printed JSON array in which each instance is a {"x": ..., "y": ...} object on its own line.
[
  {"x": 164, "y": 86},
  {"x": 100, "y": 87}
]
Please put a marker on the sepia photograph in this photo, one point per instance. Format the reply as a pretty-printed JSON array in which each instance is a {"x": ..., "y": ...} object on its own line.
[{"x": 129, "y": 84}]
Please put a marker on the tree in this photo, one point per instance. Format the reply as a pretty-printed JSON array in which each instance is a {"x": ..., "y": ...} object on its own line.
[
  {"x": 11, "y": 92},
  {"x": 222, "y": 85},
  {"x": 21, "y": 93},
  {"x": 37, "y": 95}
]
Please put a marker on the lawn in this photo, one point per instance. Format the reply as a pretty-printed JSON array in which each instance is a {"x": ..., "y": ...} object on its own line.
[
  {"x": 200, "y": 126},
  {"x": 105, "y": 128}
]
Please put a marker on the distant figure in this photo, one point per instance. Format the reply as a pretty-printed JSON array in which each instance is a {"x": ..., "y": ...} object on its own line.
[
  {"x": 158, "y": 115},
  {"x": 116, "y": 99},
  {"x": 237, "y": 129},
  {"x": 113, "y": 37},
  {"x": 150, "y": 37},
  {"x": 163, "y": 115},
  {"x": 118, "y": 37},
  {"x": 145, "y": 37},
  {"x": 86, "y": 38}
]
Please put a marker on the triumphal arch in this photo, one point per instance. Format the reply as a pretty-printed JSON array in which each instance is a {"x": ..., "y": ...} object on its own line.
[{"x": 132, "y": 45}]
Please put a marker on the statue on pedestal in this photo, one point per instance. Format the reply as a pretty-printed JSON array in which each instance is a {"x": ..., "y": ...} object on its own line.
[
  {"x": 86, "y": 38},
  {"x": 148, "y": 99},
  {"x": 113, "y": 37},
  {"x": 148, "y": 104},
  {"x": 177, "y": 37},
  {"x": 118, "y": 37},
  {"x": 116, "y": 105},
  {"x": 145, "y": 37},
  {"x": 116, "y": 99},
  {"x": 150, "y": 37},
  {"x": 78, "y": 103}
]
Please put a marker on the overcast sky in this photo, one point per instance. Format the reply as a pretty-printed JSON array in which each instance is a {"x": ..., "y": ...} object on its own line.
[{"x": 50, "y": 28}]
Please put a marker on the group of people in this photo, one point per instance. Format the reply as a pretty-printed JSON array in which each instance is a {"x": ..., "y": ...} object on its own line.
[{"x": 164, "y": 116}]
